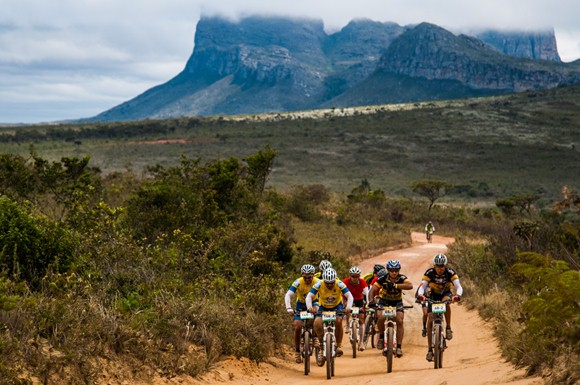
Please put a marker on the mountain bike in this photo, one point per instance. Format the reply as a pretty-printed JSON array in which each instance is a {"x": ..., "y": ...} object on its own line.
[
  {"x": 329, "y": 340},
  {"x": 369, "y": 327},
  {"x": 307, "y": 340},
  {"x": 390, "y": 335},
  {"x": 438, "y": 340},
  {"x": 356, "y": 332}
]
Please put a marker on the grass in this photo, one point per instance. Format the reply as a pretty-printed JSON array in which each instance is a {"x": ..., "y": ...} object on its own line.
[{"x": 510, "y": 144}]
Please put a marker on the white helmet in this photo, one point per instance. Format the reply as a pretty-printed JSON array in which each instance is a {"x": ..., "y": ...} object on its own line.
[
  {"x": 307, "y": 269},
  {"x": 329, "y": 275},
  {"x": 354, "y": 270},
  {"x": 440, "y": 259},
  {"x": 324, "y": 264}
]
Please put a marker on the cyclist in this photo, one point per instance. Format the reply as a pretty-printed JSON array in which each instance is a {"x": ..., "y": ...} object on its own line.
[
  {"x": 371, "y": 276},
  {"x": 390, "y": 285},
  {"x": 429, "y": 229},
  {"x": 330, "y": 291},
  {"x": 324, "y": 264},
  {"x": 439, "y": 279},
  {"x": 301, "y": 286},
  {"x": 360, "y": 291}
]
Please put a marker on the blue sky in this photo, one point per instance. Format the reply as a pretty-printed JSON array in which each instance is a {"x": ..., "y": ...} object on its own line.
[{"x": 66, "y": 59}]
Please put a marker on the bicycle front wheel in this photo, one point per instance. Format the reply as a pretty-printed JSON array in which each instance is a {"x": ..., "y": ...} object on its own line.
[
  {"x": 354, "y": 336},
  {"x": 306, "y": 352},
  {"x": 390, "y": 348},
  {"x": 329, "y": 355},
  {"x": 437, "y": 346}
]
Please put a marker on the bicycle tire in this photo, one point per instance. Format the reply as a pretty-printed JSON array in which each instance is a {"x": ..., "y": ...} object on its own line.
[
  {"x": 390, "y": 336},
  {"x": 306, "y": 352},
  {"x": 437, "y": 346},
  {"x": 329, "y": 355},
  {"x": 354, "y": 336}
]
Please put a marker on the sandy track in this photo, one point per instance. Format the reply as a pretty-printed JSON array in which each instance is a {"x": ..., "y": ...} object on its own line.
[{"x": 472, "y": 356}]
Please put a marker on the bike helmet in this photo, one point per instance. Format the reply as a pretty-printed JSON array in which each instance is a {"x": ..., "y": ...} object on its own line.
[
  {"x": 307, "y": 269},
  {"x": 440, "y": 259},
  {"x": 382, "y": 274},
  {"x": 393, "y": 264},
  {"x": 354, "y": 270},
  {"x": 377, "y": 268},
  {"x": 329, "y": 275},
  {"x": 324, "y": 264}
]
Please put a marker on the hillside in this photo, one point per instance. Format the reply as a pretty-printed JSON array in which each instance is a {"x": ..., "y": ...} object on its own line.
[
  {"x": 263, "y": 65},
  {"x": 488, "y": 147}
]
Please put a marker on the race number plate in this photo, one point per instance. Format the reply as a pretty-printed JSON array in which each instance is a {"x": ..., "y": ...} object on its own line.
[
  {"x": 355, "y": 310},
  {"x": 328, "y": 316},
  {"x": 438, "y": 308},
  {"x": 306, "y": 315},
  {"x": 390, "y": 312}
]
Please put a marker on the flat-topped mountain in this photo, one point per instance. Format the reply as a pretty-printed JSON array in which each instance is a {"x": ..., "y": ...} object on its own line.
[{"x": 261, "y": 64}]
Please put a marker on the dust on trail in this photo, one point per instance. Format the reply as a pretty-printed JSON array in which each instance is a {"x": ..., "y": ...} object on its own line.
[{"x": 472, "y": 356}]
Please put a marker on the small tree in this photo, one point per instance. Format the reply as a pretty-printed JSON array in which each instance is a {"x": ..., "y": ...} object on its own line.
[{"x": 431, "y": 189}]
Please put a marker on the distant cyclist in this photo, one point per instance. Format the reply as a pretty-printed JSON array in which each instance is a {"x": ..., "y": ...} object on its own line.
[
  {"x": 390, "y": 286},
  {"x": 440, "y": 279},
  {"x": 301, "y": 287},
  {"x": 429, "y": 230},
  {"x": 330, "y": 291}
]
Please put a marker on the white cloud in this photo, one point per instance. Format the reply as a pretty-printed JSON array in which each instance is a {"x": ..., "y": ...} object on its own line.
[{"x": 75, "y": 58}]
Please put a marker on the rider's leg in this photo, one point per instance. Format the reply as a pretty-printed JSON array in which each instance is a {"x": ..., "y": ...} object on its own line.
[
  {"x": 297, "y": 334},
  {"x": 338, "y": 331},
  {"x": 429, "y": 329},
  {"x": 400, "y": 328},
  {"x": 318, "y": 329}
]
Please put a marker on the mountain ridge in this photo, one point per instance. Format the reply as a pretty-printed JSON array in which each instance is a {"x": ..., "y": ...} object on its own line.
[{"x": 260, "y": 65}]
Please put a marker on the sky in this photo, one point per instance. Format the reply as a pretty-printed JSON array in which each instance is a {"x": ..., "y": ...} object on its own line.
[{"x": 69, "y": 59}]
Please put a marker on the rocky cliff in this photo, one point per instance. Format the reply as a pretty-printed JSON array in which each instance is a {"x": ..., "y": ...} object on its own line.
[{"x": 277, "y": 64}]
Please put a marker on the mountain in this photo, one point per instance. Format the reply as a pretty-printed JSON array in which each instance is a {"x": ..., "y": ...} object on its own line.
[{"x": 264, "y": 64}]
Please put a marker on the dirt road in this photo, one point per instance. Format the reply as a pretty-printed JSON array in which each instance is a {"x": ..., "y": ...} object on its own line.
[{"x": 471, "y": 358}]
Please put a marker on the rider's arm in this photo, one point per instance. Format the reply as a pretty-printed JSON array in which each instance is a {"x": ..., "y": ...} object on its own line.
[
  {"x": 309, "y": 298},
  {"x": 422, "y": 288},
  {"x": 288, "y": 299},
  {"x": 459, "y": 289},
  {"x": 349, "y": 300},
  {"x": 366, "y": 294}
]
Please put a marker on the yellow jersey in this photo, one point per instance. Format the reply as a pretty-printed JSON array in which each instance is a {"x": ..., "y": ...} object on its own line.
[{"x": 329, "y": 298}]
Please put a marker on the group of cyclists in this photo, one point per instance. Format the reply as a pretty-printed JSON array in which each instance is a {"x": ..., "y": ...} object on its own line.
[{"x": 323, "y": 291}]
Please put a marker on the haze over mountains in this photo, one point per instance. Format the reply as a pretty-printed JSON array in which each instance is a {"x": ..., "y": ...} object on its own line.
[{"x": 260, "y": 65}]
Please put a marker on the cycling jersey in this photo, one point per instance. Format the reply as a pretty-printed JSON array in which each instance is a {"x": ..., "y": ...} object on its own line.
[
  {"x": 356, "y": 290},
  {"x": 440, "y": 283},
  {"x": 301, "y": 289},
  {"x": 329, "y": 298},
  {"x": 390, "y": 294}
]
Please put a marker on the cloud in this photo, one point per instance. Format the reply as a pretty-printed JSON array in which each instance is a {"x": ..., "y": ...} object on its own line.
[{"x": 64, "y": 59}]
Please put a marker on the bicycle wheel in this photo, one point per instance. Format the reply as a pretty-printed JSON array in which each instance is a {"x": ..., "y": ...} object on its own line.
[
  {"x": 354, "y": 336},
  {"x": 306, "y": 352},
  {"x": 329, "y": 355},
  {"x": 368, "y": 327},
  {"x": 390, "y": 348},
  {"x": 437, "y": 346}
]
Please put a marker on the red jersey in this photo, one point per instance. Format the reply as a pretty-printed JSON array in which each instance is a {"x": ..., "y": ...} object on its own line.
[{"x": 356, "y": 290}]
